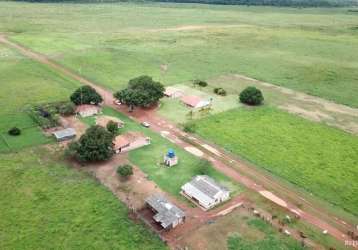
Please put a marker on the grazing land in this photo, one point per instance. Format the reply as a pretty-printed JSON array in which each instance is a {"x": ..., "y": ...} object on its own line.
[
  {"x": 311, "y": 50},
  {"x": 150, "y": 158},
  {"x": 315, "y": 157},
  {"x": 51, "y": 206}
]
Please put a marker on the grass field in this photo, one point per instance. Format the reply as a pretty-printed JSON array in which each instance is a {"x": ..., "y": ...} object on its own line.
[
  {"x": 149, "y": 159},
  {"x": 25, "y": 82},
  {"x": 51, "y": 206},
  {"x": 315, "y": 157},
  {"x": 312, "y": 50}
]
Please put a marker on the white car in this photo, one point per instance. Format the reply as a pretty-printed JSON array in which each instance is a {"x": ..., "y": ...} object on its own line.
[
  {"x": 117, "y": 102},
  {"x": 145, "y": 124}
]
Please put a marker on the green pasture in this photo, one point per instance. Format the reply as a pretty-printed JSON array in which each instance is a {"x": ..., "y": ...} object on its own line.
[
  {"x": 311, "y": 50},
  {"x": 150, "y": 158},
  {"x": 318, "y": 158},
  {"x": 47, "y": 205},
  {"x": 26, "y": 82},
  {"x": 31, "y": 134}
]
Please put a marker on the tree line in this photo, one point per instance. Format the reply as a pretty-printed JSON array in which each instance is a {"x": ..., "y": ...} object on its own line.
[{"x": 279, "y": 3}]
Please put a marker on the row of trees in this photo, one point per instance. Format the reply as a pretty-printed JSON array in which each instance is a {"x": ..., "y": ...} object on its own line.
[{"x": 290, "y": 3}]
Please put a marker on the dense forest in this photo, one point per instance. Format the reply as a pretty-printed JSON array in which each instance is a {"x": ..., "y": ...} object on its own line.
[{"x": 290, "y": 3}]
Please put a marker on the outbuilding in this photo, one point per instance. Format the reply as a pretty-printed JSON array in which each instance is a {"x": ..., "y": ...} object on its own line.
[
  {"x": 130, "y": 141},
  {"x": 173, "y": 92},
  {"x": 205, "y": 192},
  {"x": 86, "y": 110},
  {"x": 165, "y": 213},
  {"x": 65, "y": 134},
  {"x": 195, "y": 102}
]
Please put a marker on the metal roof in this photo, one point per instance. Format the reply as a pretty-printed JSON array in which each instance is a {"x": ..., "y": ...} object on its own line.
[
  {"x": 68, "y": 132},
  {"x": 167, "y": 213},
  {"x": 204, "y": 188}
]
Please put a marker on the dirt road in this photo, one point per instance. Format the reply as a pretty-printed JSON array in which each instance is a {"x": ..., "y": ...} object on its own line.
[{"x": 260, "y": 184}]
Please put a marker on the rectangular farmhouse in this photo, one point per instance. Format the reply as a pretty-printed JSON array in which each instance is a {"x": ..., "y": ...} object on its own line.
[{"x": 205, "y": 192}]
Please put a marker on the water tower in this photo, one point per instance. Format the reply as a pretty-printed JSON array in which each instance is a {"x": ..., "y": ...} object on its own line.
[{"x": 170, "y": 159}]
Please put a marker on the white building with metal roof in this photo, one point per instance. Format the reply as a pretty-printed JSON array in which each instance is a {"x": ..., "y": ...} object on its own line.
[
  {"x": 166, "y": 214},
  {"x": 65, "y": 134},
  {"x": 204, "y": 191}
]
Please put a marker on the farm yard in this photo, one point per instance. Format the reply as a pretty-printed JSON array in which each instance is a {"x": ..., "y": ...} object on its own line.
[
  {"x": 149, "y": 159},
  {"x": 74, "y": 193},
  {"x": 315, "y": 157}
]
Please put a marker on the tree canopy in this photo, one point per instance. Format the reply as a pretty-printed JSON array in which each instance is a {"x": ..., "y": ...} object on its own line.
[
  {"x": 95, "y": 145},
  {"x": 251, "y": 96},
  {"x": 86, "y": 95},
  {"x": 125, "y": 171},
  {"x": 142, "y": 91}
]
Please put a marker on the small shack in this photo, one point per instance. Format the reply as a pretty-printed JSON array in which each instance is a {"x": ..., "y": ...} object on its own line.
[
  {"x": 86, "y": 110},
  {"x": 195, "y": 102},
  {"x": 205, "y": 192},
  {"x": 173, "y": 92},
  {"x": 130, "y": 141},
  {"x": 65, "y": 134},
  {"x": 165, "y": 213},
  {"x": 170, "y": 159}
]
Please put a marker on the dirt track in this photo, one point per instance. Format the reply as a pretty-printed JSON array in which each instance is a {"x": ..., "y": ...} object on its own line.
[{"x": 259, "y": 184}]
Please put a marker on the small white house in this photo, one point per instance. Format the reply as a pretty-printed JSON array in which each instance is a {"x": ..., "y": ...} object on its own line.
[
  {"x": 205, "y": 192},
  {"x": 173, "y": 92},
  {"x": 65, "y": 134},
  {"x": 86, "y": 110}
]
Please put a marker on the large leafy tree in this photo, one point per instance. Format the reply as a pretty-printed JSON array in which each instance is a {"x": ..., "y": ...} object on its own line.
[
  {"x": 251, "y": 96},
  {"x": 142, "y": 91},
  {"x": 86, "y": 95},
  {"x": 95, "y": 145}
]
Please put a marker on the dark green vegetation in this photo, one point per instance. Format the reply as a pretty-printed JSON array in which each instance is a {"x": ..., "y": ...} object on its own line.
[
  {"x": 86, "y": 95},
  {"x": 112, "y": 127},
  {"x": 291, "y": 3},
  {"x": 94, "y": 145},
  {"x": 270, "y": 240},
  {"x": 125, "y": 171},
  {"x": 311, "y": 50},
  {"x": 318, "y": 158},
  {"x": 150, "y": 159},
  {"x": 142, "y": 91},
  {"x": 15, "y": 131},
  {"x": 47, "y": 205},
  {"x": 251, "y": 96}
]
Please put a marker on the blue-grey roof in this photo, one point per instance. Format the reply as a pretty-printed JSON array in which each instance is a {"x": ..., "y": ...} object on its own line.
[
  {"x": 68, "y": 132},
  {"x": 167, "y": 213}
]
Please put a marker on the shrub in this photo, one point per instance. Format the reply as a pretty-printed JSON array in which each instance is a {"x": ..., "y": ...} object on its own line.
[
  {"x": 112, "y": 127},
  {"x": 203, "y": 167},
  {"x": 125, "y": 171},
  {"x": 200, "y": 83},
  {"x": 220, "y": 91},
  {"x": 189, "y": 127},
  {"x": 67, "y": 109},
  {"x": 14, "y": 131},
  {"x": 251, "y": 96}
]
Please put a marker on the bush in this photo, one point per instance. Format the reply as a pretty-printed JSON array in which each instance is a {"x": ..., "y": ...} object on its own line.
[
  {"x": 67, "y": 109},
  {"x": 125, "y": 171},
  {"x": 251, "y": 96},
  {"x": 190, "y": 127},
  {"x": 14, "y": 131},
  {"x": 200, "y": 83},
  {"x": 112, "y": 127},
  {"x": 220, "y": 91}
]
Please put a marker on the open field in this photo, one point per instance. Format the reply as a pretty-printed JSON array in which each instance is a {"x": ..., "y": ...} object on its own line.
[
  {"x": 149, "y": 159},
  {"x": 315, "y": 157},
  {"x": 51, "y": 206},
  {"x": 26, "y": 82},
  {"x": 312, "y": 50}
]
